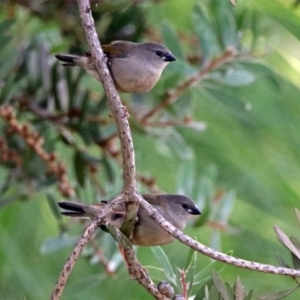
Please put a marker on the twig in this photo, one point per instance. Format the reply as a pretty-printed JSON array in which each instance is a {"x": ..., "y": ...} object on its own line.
[
  {"x": 87, "y": 235},
  {"x": 65, "y": 273},
  {"x": 219, "y": 256},
  {"x": 115, "y": 103},
  {"x": 119, "y": 113},
  {"x": 140, "y": 274}
]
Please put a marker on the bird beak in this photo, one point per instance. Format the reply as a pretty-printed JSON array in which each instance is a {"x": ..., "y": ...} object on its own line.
[
  {"x": 194, "y": 211},
  {"x": 169, "y": 57}
]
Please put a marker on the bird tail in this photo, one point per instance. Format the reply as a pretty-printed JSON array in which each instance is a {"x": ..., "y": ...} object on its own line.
[
  {"x": 68, "y": 59},
  {"x": 74, "y": 209}
]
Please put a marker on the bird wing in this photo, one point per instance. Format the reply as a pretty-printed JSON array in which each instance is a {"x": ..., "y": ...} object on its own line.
[{"x": 116, "y": 49}]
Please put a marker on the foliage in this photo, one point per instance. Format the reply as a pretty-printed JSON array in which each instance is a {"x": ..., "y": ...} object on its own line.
[{"x": 229, "y": 140}]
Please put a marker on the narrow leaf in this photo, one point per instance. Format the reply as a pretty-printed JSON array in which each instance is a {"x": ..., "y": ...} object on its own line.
[
  {"x": 53, "y": 206},
  {"x": 186, "y": 177},
  {"x": 297, "y": 215},
  {"x": 233, "y": 77},
  {"x": 172, "y": 41},
  {"x": 230, "y": 291},
  {"x": 239, "y": 290},
  {"x": 219, "y": 285},
  {"x": 189, "y": 260},
  {"x": 54, "y": 244},
  {"x": 249, "y": 296},
  {"x": 79, "y": 166},
  {"x": 119, "y": 236},
  {"x": 164, "y": 263},
  {"x": 281, "y": 261},
  {"x": 286, "y": 241},
  {"x": 296, "y": 261},
  {"x": 277, "y": 295},
  {"x": 208, "y": 40},
  {"x": 202, "y": 293}
]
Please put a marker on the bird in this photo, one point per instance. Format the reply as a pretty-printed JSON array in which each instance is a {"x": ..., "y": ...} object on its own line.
[
  {"x": 135, "y": 67},
  {"x": 176, "y": 209}
]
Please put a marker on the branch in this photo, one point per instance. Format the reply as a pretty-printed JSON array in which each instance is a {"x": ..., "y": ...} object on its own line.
[
  {"x": 140, "y": 274},
  {"x": 219, "y": 256},
  {"x": 119, "y": 113},
  {"x": 116, "y": 106},
  {"x": 65, "y": 273},
  {"x": 131, "y": 198}
]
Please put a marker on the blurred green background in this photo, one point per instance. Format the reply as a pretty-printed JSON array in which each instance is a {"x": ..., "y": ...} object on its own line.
[{"x": 237, "y": 156}]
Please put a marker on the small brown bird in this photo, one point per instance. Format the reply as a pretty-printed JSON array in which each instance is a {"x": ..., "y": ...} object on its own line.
[
  {"x": 177, "y": 209},
  {"x": 135, "y": 67}
]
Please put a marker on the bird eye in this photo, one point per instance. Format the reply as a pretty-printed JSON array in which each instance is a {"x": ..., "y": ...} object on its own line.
[
  {"x": 159, "y": 53},
  {"x": 185, "y": 206}
]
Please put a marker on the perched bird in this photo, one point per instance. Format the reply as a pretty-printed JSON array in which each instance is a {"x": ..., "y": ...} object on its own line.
[
  {"x": 135, "y": 67},
  {"x": 177, "y": 209}
]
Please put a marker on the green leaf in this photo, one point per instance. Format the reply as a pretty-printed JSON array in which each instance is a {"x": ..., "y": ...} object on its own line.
[
  {"x": 186, "y": 177},
  {"x": 112, "y": 5},
  {"x": 204, "y": 30},
  {"x": 53, "y": 206},
  {"x": 108, "y": 167},
  {"x": 277, "y": 295},
  {"x": 214, "y": 294},
  {"x": 164, "y": 263},
  {"x": 233, "y": 77},
  {"x": 296, "y": 260},
  {"x": 5, "y": 25},
  {"x": 205, "y": 213},
  {"x": 54, "y": 244},
  {"x": 219, "y": 285},
  {"x": 85, "y": 101},
  {"x": 232, "y": 2},
  {"x": 192, "y": 269},
  {"x": 239, "y": 292},
  {"x": 286, "y": 241},
  {"x": 249, "y": 295},
  {"x": 281, "y": 13},
  {"x": 230, "y": 291},
  {"x": 226, "y": 26},
  {"x": 201, "y": 294},
  {"x": 295, "y": 242},
  {"x": 281, "y": 261},
  {"x": 189, "y": 259},
  {"x": 172, "y": 41},
  {"x": 129, "y": 219},
  {"x": 177, "y": 143},
  {"x": 79, "y": 166},
  {"x": 297, "y": 215},
  {"x": 119, "y": 236}
]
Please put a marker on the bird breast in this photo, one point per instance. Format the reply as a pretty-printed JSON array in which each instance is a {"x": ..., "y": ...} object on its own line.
[{"x": 132, "y": 75}]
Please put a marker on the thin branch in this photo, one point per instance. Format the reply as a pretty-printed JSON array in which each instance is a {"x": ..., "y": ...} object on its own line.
[
  {"x": 116, "y": 106},
  {"x": 219, "y": 256},
  {"x": 119, "y": 112},
  {"x": 65, "y": 273},
  {"x": 140, "y": 274}
]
